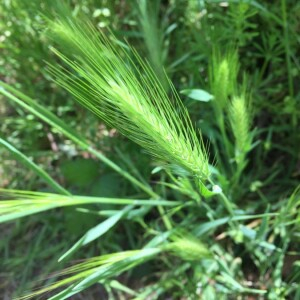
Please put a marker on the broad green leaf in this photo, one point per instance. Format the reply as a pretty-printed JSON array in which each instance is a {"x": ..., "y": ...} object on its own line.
[{"x": 197, "y": 94}]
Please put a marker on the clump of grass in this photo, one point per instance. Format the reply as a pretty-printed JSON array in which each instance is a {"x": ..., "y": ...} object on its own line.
[{"x": 127, "y": 95}]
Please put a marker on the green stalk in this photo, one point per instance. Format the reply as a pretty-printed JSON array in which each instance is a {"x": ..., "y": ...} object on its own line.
[
  {"x": 226, "y": 202},
  {"x": 34, "y": 167},
  {"x": 263, "y": 69},
  {"x": 23, "y": 203}
]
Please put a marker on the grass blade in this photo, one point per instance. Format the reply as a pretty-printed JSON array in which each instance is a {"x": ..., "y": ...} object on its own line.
[
  {"x": 96, "y": 232},
  {"x": 17, "y": 204},
  {"x": 34, "y": 167}
]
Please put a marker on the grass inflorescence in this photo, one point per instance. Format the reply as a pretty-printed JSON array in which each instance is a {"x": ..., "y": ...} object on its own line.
[{"x": 128, "y": 96}]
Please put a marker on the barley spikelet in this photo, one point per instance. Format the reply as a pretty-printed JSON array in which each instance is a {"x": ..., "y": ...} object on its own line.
[
  {"x": 223, "y": 76},
  {"x": 188, "y": 247},
  {"x": 127, "y": 95},
  {"x": 240, "y": 124}
]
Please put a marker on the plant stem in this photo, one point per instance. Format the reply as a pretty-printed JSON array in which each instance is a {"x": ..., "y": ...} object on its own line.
[
  {"x": 226, "y": 202},
  {"x": 34, "y": 167}
]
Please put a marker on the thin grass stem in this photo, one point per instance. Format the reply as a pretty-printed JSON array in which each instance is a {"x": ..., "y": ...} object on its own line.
[{"x": 34, "y": 167}]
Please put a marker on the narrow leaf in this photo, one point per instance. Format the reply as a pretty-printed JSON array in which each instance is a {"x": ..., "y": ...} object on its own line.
[
  {"x": 34, "y": 167},
  {"x": 197, "y": 94},
  {"x": 96, "y": 232}
]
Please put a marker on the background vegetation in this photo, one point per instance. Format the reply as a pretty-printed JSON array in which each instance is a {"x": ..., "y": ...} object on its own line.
[{"x": 212, "y": 212}]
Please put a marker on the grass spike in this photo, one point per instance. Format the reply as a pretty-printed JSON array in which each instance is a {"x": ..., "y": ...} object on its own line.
[
  {"x": 127, "y": 96},
  {"x": 187, "y": 247},
  {"x": 223, "y": 76},
  {"x": 240, "y": 124},
  {"x": 93, "y": 270}
]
